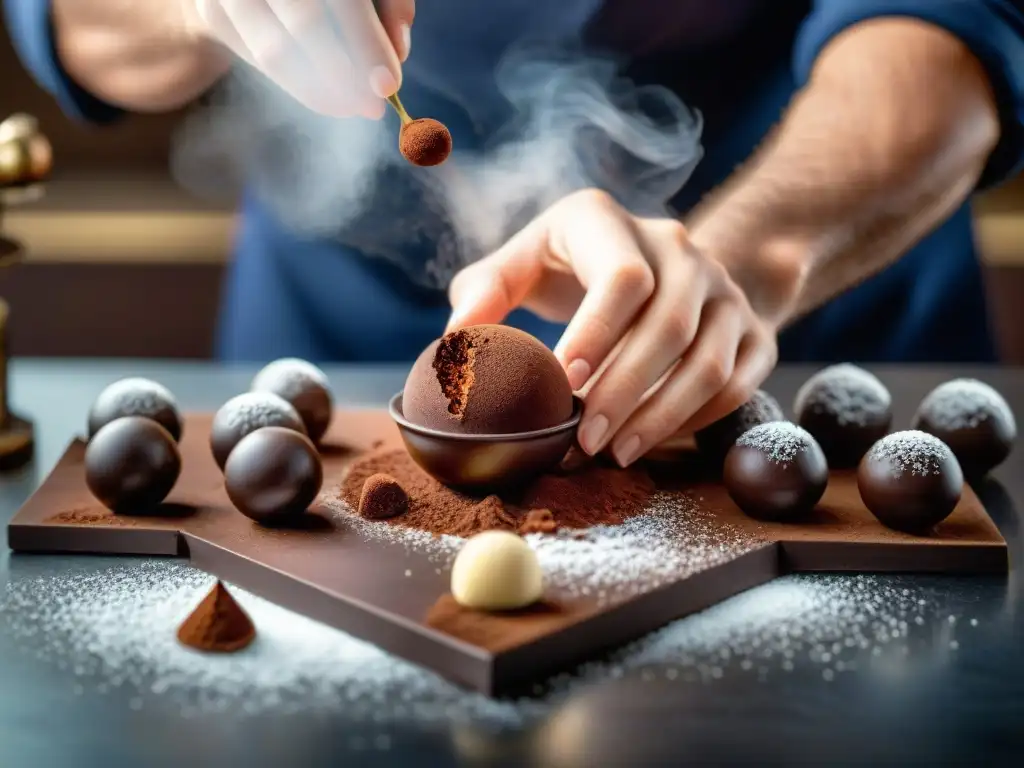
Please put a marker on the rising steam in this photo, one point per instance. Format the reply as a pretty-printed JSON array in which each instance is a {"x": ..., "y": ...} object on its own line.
[{"x": 573, "y": 123}]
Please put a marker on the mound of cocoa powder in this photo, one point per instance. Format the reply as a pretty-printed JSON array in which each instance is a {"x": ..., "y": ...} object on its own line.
[
  {"x": 593, "y": 494},
  {"x": 218, "y": 624}
]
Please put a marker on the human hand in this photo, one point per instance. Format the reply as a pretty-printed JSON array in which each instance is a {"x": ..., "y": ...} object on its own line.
[
  {"x": 661, "y": 335},
  {"x": 337, "y": 57}
]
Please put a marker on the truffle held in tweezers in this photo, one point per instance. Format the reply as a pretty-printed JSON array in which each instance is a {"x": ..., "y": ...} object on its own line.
[{"x": 423, "y": 141}]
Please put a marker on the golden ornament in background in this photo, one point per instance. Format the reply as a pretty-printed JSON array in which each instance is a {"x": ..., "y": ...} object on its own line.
[{"x": 26, "y": 156}]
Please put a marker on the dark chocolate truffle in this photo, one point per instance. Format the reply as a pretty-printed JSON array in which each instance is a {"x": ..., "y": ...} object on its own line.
[
  {"x": 715, "y": 440},
  {"x": 911, "y": 481},
  {"x": 425, "y": 142},
  {"x": 244, "y": 414},
  {"x": 973, "y": 420},
  {"x": 131, "y": 464},
  {"x": 847, "y": 410},
  {"x": 776, "y": 471},
  {"x": 487, "y": 379},
  {"x": 304, "y": 386},
  {"x": 382, "y": 497},
  {"x": 136, "y": 397},
  {"x": 273, "y": 475}
]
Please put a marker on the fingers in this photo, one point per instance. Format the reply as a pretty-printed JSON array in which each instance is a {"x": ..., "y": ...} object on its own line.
[
  {"x": 367, "y": 44},
  {"x": 701, "y": 373},
  {"x": 314, "y": 37},
  {"x": 274, "y": 52},
  {"x": 489, "y": 289},
  {"x": 603, "y": 249},
  {"x": 397, "y": 17},
  {"x": 661, "y": 336},
  {"x": 721, "y": 371}
]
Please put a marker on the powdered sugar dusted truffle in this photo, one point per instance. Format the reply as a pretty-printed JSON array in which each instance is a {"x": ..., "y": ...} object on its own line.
[
  {"x": 973, "y": 420},
  {"x": 911, "y": 481},
  {"x": 243, "y": 415},
  {"x": 715, "y": 440},
  {"x": 304, "y": 386},
  {"x": 776, "y": 471},
  {"x": 136, "y": 396},
  {"x": 847, "y": 409}
]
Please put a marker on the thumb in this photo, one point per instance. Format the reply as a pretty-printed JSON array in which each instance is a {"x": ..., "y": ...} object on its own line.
[{"x": 490, "y": 289}]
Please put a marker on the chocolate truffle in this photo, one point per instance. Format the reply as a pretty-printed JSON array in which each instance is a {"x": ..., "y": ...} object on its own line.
[
  {"x": 382, "y": 497},
  {"x": 304, "y": 386},
  {"x": 136, "y": 397},
  {"x": 776, "y": 471},
  {"x": 973, "y": 420},
  {"x": 847, "y": 410},
  {"x": 715, "y": 440},
  {"x": 425, "y": 142},
  {"x": 487, "y": 379},
  {"x": 910, "y": 481},
  {"x": 273, "y": 475},
  {"x": 244, "y": 414},
  {"x": 131, "y": 464}
]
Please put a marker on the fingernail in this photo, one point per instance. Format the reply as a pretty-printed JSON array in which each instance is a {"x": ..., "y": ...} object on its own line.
[
  {"x": 592, "y": 433},
  {"x": 382, "y": 82},
  {"x": 405, "y": 31},
  {"x": 626, "y": 453},
  {"x": 578, "y": 372}
]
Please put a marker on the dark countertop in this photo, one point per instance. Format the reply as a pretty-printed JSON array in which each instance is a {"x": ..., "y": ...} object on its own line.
[{"x": 946, "y": 686}]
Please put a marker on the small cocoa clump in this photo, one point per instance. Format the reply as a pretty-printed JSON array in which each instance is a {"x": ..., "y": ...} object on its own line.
[
  {"x": 539, "y": 521},
  {"x": 425, "y": 142},
  {"x": 218, "y": 624},
  {"x": 382, "y": 497}
]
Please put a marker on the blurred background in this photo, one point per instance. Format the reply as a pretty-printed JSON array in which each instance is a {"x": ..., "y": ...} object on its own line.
[{"x": 133, "y": 264}]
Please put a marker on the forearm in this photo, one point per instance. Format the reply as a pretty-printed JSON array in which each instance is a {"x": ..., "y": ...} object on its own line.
[
  {"x": 888, "y": 138},
  {"x": 141, "y": 55}
]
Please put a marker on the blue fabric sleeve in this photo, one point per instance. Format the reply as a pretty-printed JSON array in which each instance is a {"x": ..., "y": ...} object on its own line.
[
  {"x": 30, "y": 27},
  {"x": 992, "y": 29}
]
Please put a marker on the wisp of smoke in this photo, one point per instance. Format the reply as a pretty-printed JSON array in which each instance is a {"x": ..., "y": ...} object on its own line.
[{"x": 574, "y": 123}]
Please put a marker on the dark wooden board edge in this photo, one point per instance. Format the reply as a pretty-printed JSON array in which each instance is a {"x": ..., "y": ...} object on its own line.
[
  {"x": 94, "y": 540},
  {"x": 876, "y": 557}
]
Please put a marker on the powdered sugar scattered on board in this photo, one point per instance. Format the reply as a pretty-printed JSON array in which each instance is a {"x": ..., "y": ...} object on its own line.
[
  {"x": 288, "y": 377},
  {"x": 114, "y": 628},
  {"x": 964, "y": 404},
  {"x": 673, "y": 538},
  {"x": 142, "y": 397},
  {"x": 847, "y": 392},
  {"x": 251, "y": 410},
  {"x": 912, "y": 451},
  {"x": 781, "y": 441}
]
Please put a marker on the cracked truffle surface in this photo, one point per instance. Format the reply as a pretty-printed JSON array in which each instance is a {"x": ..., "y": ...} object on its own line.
[{"x": 487, "y": 379}]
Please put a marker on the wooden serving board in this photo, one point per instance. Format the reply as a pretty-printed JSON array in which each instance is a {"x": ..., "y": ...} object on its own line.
[{"x": 397, "y": 597}]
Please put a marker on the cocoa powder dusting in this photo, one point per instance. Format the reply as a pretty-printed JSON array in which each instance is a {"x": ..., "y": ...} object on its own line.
[
  {"x": 218, "y": 624},
  {"x": 595, "y": 494},
  {"x": 90, "y": 516}
]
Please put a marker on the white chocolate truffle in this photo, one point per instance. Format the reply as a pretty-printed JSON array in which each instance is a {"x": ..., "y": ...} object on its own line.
[{"x": 496, "y": 571}]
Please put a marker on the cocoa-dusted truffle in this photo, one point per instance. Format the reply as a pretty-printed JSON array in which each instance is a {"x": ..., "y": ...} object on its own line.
[
  {"x": 715, "y": 440},
  {"x": 273, "y": 475},
  {"x": 131, "y": 464},
  {"x": 425, "y": 142},
  {"x": 847, "y": 409},
  {"x": 218, "y": 624},
  {"x": 776, "y": 471},
  {"x": 304, "y": 386},
  {"x": 487, "y": 379},
  {"x": 911, "y": 481},
  {"x": 973, "y": 420},
  {"x": 136, "y": 397},
  {"x": 382, "y": 497},
  {"x": 244, "y": 414}
]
